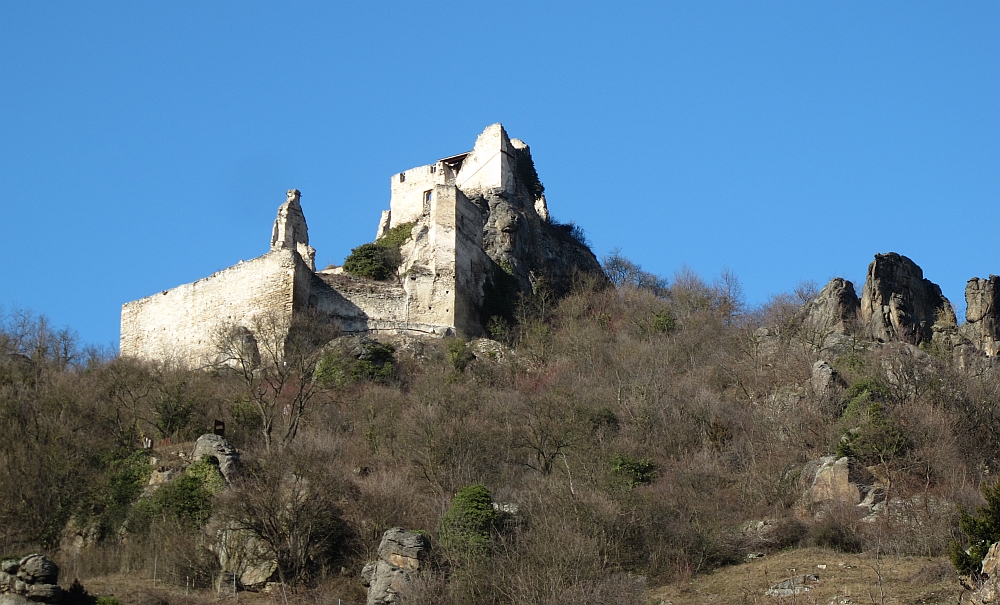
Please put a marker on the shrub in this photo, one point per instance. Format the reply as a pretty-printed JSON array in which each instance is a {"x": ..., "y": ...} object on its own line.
[
  {"x": 338, "y": 367},
  {"x": 466, "y": 526},
  {"x": 381, "y": 259},
  {"x": 634, "y": 471},
  {"x": 372, "y": 261},
  {"x": 663, "y": 321},
  {"x": 459, "y": 355},
  {"x": 982, "y": 529},
  {"x": 870, "y": 437},
  {"x": 524, "y": 166}
]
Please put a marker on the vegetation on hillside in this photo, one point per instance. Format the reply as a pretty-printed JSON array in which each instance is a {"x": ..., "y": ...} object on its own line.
[
  {"x": 381, "y": 259},
  {"x": 634, "y": 429}
]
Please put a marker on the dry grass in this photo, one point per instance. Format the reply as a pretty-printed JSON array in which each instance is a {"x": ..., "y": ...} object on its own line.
[
  {"x": 132, "y": 589},
  {"x": 846, "y": 579}
]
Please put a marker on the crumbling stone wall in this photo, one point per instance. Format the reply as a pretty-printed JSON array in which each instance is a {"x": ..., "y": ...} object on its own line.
[{"x": 185, "y": 322}]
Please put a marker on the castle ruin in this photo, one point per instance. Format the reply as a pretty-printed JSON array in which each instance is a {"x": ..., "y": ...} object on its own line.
[{"x": 480, "y": 233}]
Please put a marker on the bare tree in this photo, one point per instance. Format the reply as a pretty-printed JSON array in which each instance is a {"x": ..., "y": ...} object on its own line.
[{"x": 273, "y": 360}]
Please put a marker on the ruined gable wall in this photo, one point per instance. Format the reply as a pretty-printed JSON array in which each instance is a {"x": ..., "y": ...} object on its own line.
[
  {"x": 183, "y": 323},
  {"x": 490, "y": 164}
]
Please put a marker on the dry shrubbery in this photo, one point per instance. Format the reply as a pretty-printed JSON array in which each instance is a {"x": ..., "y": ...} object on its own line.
[{"x": 637, "y": 430}]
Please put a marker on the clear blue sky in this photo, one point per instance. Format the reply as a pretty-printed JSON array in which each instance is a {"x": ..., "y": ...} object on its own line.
[{"x": 145, "y": 145}]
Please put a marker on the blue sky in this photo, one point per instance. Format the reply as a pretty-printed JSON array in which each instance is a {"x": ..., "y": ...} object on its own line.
[{"x": 146, "y": 145}]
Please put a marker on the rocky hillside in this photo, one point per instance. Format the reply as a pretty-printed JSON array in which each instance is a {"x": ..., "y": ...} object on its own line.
[{"x": 615, "y": 446}]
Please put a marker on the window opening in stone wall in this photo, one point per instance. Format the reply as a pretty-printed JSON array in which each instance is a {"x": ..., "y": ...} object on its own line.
[
  {"x": 402, "y": 177},
  {"x": 434, "y": 169},
  {"x": 428, "y": 196}
]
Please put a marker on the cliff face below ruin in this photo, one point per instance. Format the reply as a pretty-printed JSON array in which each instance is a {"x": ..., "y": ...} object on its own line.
[{"x": 530, "y": 247}]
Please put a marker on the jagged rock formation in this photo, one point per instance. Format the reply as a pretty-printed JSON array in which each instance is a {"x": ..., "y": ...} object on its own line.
[
  {"x": 401, "y": 554},
  {"x": 33, "y": 578},
  {"x": 832, "y": 311},
  {"x": 982, "y": 314},
  {"x": 223, "y": 451},
  {"x": 897, "y": 303}
]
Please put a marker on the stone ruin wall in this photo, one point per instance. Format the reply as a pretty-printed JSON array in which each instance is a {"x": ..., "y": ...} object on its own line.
[
  {"x": 440, "y": 286},
  {"x": 353, "y": 302},
  {"x": 184, "y": 323}
]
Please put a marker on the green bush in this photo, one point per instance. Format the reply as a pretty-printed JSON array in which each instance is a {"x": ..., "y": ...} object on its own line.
[
  {"x": 870, "y": 437},
  {"x": 372, "y": 261},
  {"x": 381, "y": 259},
  {"x": 524, "y": 166},
  {"x": 982, "y": 529},
  {"x": 187, "y": 499},
  {"x": 337, "y": 368},
  {"x": 466, "y": 526},
  {"x": 876, "y": 391},
  {"x": 459, "y": 354},
  {"x": 634, "y": 471},
  {"x": 663, "y": 321}
]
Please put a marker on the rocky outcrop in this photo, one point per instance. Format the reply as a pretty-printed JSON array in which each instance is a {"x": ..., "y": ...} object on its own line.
[
  {"x": 982, "y": 314},
  {"x": 832, "y": 481},
  {"x": 897, "y": 303},
  {"x": 833, "y": 311},
  {"x": 400, "y": 555},
  {"x": 243, "y": 555},
  {"x": 223, "y": 451},
  {"x": 519, "y": 235},
  {"x": 34, "y": 578},
  {"x": 824, "y": 377}
]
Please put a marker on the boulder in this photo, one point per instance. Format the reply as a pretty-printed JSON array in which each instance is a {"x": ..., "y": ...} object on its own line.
[
  {"x": 897, "y": 303},
  {"x": 32, "y": 579},
  {"x": 223, "y": 451},
  {"x": 832, "y": 481},
  {"x": 38, "y": 569},
  {"x": 242, "y": 554},
  {"x": 991, "y": 562},
  {"x": 405, "y": 549},
  {"x": 401, "y": 555},
  {"x": 982, "y": 314}
]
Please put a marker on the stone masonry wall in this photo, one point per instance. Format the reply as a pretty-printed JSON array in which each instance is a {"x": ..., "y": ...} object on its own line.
[
  {"x": 408, "y": 188},
  {"x": 183, "y": 323}
]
